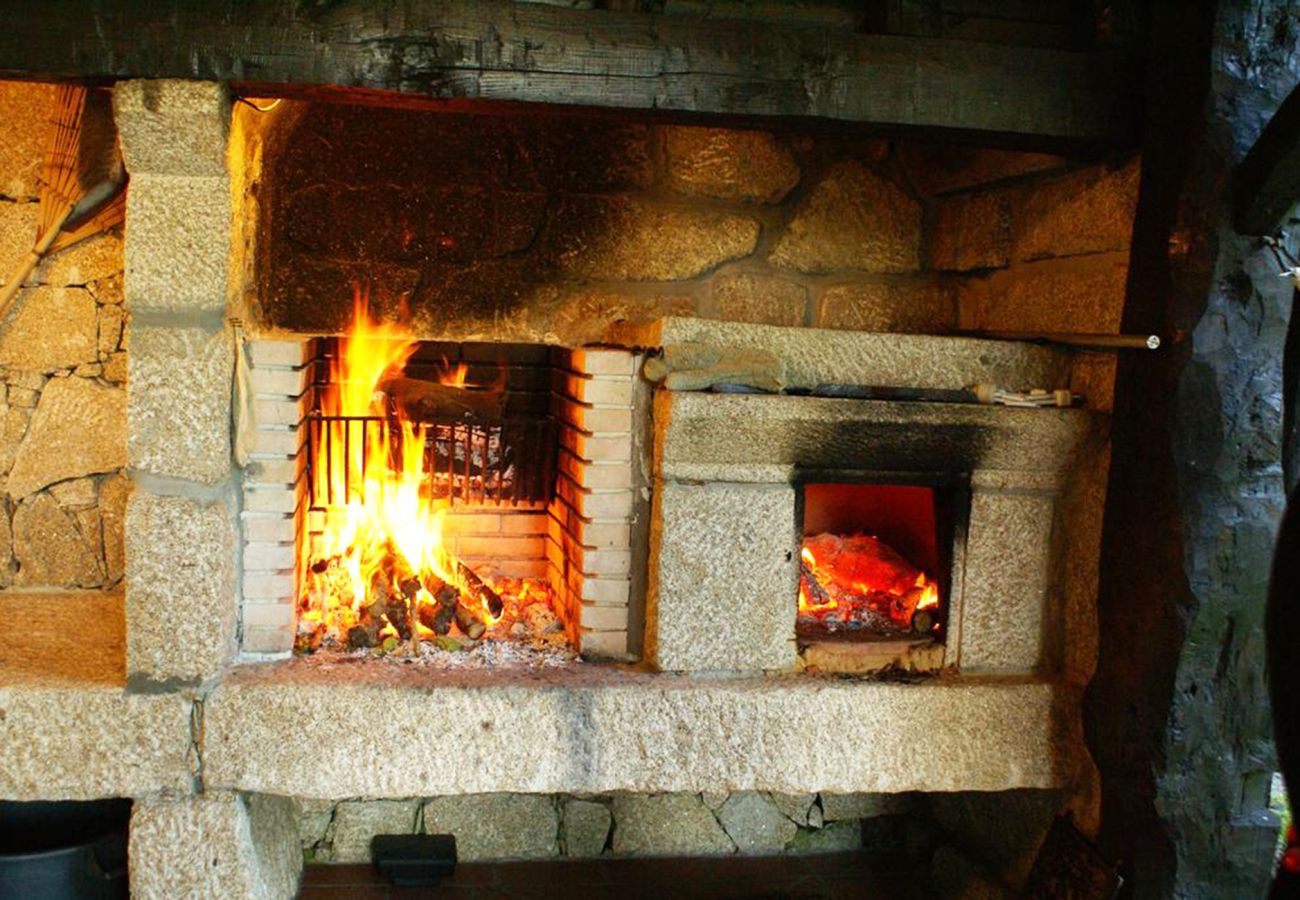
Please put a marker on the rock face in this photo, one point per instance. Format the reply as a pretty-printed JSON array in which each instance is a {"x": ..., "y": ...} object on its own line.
[
  {"x": 609, "y": 238},
  {"x": 496, "y": 826},
  {"x": 113, "y": 494},
  {"x": 50, "y": 328},
  {"x": 853, "y": 219},
  {"x": 768, "y": 299},
  {"x": 355, "y": 823},
  {"x": 1050, "y": 295},
  {"x": 667, "y": 825},
  {"x": 836, "y": 837},
  {"x": 50, "y": 548},
  {"x": 729, "y": 165},
  {"x": 78, "y": 429},
  {"x": 755, "y": 824},
  {"x": 973, "y": 231},
  {"x": 916, "y": 307},
  {"x": 1089, "y": 211},
  {"x": 796, "y": 807},
  {"x": 844, "y": 807},
  {"x": 585, "y": 828}
]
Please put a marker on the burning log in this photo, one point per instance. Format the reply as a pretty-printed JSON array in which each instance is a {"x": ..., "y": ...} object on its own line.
[
  {"x": 478, "y": 589},
  {"x": 438, "y": 616},
  {"x": 429, "y": 401},
  {"x": 816, "y": 593},
  {"x": 923, "y": 621},
  {"x": 364, "y": 634},
  {"x": 469, "y": 623}
]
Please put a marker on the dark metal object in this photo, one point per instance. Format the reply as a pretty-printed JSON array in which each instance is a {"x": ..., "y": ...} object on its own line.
[
  {"x": 509, "y": 459},
  {"x": 64, "y": 851},
  {"x": 878, "y": 392},
  {"x": 413, "y": 860}
]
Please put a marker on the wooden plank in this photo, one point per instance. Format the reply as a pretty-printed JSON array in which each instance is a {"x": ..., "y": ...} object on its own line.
[
  {"x": 1268, "y": 179},
  {"x": 501, "y": 51}
]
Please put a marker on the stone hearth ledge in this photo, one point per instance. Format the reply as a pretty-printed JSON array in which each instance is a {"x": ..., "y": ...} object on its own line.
[
  {"x": 382, "y": 730},
  {"x": 816, "y": 356},
  {"x": 85, "y": 742}
]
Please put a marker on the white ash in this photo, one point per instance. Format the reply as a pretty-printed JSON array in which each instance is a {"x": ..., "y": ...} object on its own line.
[{"x": 480, "y": 655}]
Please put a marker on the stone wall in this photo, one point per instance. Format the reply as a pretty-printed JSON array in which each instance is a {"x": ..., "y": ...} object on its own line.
[
  {"x": 542, "y": 826},
  {"x": 63, "y": 350},
  {"x": 549, "y": 228}
]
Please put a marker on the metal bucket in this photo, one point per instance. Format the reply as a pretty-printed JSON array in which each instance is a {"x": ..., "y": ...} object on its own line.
[{"x": 64, "y": 850}]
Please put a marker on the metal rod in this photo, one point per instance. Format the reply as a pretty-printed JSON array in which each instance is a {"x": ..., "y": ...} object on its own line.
[{"x": 1098, "y": 341}]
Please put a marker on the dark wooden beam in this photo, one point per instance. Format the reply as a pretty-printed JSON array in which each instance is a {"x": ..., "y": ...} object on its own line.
[
  {"x": 503, "y": 51},
  {"x": 1267, "y": 183}
]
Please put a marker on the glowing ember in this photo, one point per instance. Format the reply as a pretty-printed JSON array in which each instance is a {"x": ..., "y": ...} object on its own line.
[
  {"x": 859, "y": 582},
  {"x": 379, "y": 574}
]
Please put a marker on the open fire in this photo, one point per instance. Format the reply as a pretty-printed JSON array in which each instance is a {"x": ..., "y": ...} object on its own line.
[
  {"x": 379, "y": 573},
  {"x": 858, "y": 582}
]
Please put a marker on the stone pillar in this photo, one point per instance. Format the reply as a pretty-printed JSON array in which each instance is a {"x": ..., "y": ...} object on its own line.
[
  {"x": 723, "y": 577},
  {"x": 219, "y": 845},
  {"x": 1006, "y": 625},
  {"x": 180, "y": 571}
]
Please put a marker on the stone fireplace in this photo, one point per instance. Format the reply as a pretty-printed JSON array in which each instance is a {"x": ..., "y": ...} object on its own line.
[{"x": 670, "y": 520}]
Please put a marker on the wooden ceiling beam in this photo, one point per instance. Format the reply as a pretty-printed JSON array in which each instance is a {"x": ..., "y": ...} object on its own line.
[{"x": 523, "y": 52}]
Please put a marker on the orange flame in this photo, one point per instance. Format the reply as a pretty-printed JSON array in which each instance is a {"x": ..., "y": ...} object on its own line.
[
  {"x": 389, "y": 520},
  {"x": 859, "y": 575}
]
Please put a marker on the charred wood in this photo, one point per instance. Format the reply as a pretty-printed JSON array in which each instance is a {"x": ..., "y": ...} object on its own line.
[
  {"x": 469, "y": 622},
  {"x": 477, "y": 589},
  {"x": 429, "y": 401}
]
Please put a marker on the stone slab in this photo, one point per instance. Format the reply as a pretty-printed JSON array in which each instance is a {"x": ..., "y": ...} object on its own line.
[
  {"x": 1004, "y": 615},
  {"x": 179, "y": 408},
  {"x": 496, "y": 826},
  {"x": 722, "y": 579},
  {"x": 739, "y": 437},
  {"x": 64, "y": 741},
  {"x": 356, "y": 823},
  {"x": 172, "y": 127},
  {"x": 56, "y": 445},
  {"x": 852, "y": 218},
  {"x": 585, "y": 828},
  {"x": 214, "y": 846},
  {"x": 728, "y": 164},
  {"x": 816, "y": 356},
  {"x": 177, "y": 243},
  {"x": 667, "y": 825},
  {"x": 50, "y": 328},
  {"x": 755, "y": 824},
  {"x": 594, "y": 729},
  {"x": 180, "y": 601}
]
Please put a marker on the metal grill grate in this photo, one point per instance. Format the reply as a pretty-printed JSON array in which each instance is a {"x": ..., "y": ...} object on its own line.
[{"x": 480, "y": 461}]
